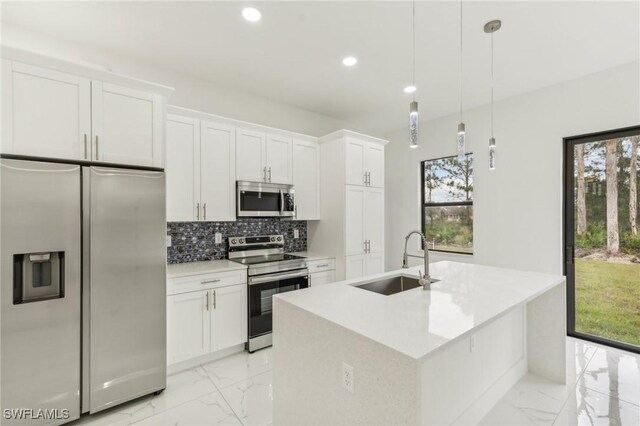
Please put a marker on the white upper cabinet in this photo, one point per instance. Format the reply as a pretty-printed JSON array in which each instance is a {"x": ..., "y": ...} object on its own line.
[
  {"x": 250, "y": 156},
  {"x": 62, "y": 110},
  {"x": 46, "y": 113},
  {"x": 183, "y": 168},
  {"x": 355, "y": 161},
  {"x": 279, "y": 159},
  {"x": 200, "y": 168},
  {"x": 217, "y": 171},
  {"x": 127, "y": 125},
  {"x": 374, "y": 162},
  {"x": 306, "y": 179}
]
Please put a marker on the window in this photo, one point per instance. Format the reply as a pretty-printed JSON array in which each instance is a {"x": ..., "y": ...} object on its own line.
[{"x": 447, "y": 204}]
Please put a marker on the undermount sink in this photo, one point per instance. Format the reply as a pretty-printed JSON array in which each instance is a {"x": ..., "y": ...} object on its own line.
[{"x": 392, "y": 285}]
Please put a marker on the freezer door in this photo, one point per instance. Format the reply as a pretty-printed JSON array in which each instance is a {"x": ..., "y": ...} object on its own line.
[
  {"x": 125, "y": 285},
  {"x": 40, "y": 320}
]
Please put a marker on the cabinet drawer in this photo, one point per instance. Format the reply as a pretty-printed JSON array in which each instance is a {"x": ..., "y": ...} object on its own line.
[
  {"x": 322, "y": 265},
  {"x": 205, "y": 281},
  {"x": 320, "y": 278}
]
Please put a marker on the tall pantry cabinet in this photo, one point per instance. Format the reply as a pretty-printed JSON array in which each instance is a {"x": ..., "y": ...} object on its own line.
[{"x": 352, "y": 203}]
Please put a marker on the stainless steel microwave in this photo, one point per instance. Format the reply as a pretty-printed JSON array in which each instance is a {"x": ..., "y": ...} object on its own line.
[{"x": 258, "y": 199}]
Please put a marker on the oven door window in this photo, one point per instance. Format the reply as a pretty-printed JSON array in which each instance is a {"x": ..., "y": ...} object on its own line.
[
  {"x": 254, "y": 201},
  {"x": 261, "y": 302}
]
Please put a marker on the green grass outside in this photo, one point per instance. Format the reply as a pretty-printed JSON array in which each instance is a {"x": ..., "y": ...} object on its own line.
[{"x": 608, "y": 300}]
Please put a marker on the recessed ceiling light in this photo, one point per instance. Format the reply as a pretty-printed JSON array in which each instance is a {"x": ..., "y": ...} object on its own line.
[
  {"x": 251, "y": 14},
  {"x": 409, "y": 89},
  {"x": 349, "y": 61}
]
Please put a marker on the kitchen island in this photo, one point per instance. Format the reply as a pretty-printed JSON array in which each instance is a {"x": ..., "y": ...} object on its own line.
[{"x": 440, "y": 356}]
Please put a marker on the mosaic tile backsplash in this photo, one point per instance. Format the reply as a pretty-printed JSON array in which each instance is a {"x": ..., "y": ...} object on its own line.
[{"x": 195, "y": 241}]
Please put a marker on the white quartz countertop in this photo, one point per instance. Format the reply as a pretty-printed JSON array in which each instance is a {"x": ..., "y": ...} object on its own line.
[
  {"x": 311, "y": 255},
  {"x": 417, "y": 322},
  {"x": 197, "y": 268}
]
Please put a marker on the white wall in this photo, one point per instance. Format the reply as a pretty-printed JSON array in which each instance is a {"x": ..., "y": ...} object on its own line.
[
  {"x": 189, "y": 92},
  {"x": 518, "y": 206}
]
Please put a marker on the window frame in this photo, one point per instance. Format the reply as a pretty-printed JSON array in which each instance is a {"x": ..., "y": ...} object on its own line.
[{"x": 424, "y": 204}]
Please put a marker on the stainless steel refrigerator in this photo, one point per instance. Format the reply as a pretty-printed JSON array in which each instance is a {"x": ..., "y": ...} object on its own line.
[{"x": 83, "y": 320}]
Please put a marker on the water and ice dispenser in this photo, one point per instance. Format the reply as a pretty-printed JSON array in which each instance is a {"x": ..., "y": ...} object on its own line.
[{"x": 38, "y": 276}]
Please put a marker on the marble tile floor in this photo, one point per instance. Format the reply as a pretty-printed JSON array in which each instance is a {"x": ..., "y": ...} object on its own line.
[{"x": 603, "y": 388}]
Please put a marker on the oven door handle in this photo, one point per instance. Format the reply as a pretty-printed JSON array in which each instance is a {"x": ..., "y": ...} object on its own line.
[{"x": 275, "y": 277}]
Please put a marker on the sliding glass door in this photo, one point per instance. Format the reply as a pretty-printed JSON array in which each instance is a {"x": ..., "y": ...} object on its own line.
[{"x": 602, "y": 237}]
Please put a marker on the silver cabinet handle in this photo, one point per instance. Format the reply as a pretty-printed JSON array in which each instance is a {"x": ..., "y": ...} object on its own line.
[
  {"x": 309, "y": 280},
  {"x": 204, "y": 208},
  {"x": 368, "y": 178},
  {"x": 324, "y": 265},
  {"x": 85, "y": 146},
  {"x": 97, "y": 145},
  {"x": 207, "y": 305},
  {"x": 209, "y": 281},
  {"x": 368, "y": 246},
  {"x": 214, "y": 300},
  {"x": 269, "y": 174},
  {"x": 197, "y": 211}
]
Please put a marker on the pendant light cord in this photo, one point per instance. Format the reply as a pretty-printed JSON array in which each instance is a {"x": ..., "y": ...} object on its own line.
[
  {"x": 414, "y": 47},
  {"x": 461, "y": 61},
  {"x": 492, "y": 84}
]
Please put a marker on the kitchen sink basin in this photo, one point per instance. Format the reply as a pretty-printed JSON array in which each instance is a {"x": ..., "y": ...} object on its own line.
[{"x": 392, "y": 285}]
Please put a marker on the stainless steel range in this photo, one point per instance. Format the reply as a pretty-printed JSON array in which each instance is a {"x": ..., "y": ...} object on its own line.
[{"x": 270, "y": 271}]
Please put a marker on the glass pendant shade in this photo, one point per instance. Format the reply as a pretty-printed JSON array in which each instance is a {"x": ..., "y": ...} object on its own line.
[
  {"x": 413, "y": 125},
  {"x": 461, "y": 142},
  {"x": 492, "y": 154}
]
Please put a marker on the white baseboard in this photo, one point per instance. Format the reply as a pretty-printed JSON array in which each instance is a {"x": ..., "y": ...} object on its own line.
[{"x": 203, "y": 359}]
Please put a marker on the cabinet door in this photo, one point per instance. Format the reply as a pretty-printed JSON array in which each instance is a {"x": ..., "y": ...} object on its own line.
[
  {"x": 250, "y": 155},
  {"x": 187, "y": 326},
  {"x": 354, "y": 266},
  {"x": 228, "y": 316},
  {"x": 355, "y": 161},
  {"x": 320, "y": 278},
  {"x": 217, "y": 171},
  {"x": 375, "y": 164},
  {"x": 306, "y": 179},
  {"x": 354, "y": 220},
  {"x": 127, "y": 125},
  {"x": 374, "y": 219},
  {"x": 279, "y": 159},
  {"x": 182, "y": 168},
  {"x": 374, "y": 264},
  {"x": 45, "y": 113}
]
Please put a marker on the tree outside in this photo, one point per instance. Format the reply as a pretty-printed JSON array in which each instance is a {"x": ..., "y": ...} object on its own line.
[{"x": 607, "y": 240}]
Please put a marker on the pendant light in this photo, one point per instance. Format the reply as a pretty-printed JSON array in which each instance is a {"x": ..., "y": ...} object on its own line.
[
  {"x": 413, "y": 107},
  {"x": 461, "y": 127},
  {"x": 490, "y": 28}
]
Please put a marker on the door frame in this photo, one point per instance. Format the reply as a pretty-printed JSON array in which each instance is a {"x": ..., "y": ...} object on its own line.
[{"x": 568, "y": 226}]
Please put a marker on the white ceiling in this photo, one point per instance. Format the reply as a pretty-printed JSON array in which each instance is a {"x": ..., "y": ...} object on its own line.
[{"x": 294, "y": 54}]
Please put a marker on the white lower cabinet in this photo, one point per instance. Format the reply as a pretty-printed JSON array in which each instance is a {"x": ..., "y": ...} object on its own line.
[
  {"x": 322, "y": 271},
  {"x": 362, "y": 265},
  {"x": 188, "y": 333},
  {"x": 208, "y": 320}
]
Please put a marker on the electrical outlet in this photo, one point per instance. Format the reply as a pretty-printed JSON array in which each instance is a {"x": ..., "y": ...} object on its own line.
[
  {"x": 347, "y": 377},
  {"x": 168, "y": 240},
  {"x": 472, "y": 343},
  {"x": 218, "y": 238},
  {"x": 296, "y": 233}
]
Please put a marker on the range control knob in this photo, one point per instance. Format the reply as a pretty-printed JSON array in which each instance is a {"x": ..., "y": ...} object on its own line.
[
  {"x": 279, "y": 238},
  {"x": 233, "y": 241},
  {"x": 273, "y": 238},
  {"x": 241, "y": 240}
]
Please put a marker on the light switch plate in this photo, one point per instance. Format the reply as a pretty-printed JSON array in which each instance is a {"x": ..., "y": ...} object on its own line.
[
  {"x": 296, "y": 233},
  {"x": 168, "y": 240},
  {"x": 218, "y": 238}
]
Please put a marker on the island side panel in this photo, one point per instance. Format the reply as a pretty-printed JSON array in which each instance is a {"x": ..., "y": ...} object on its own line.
[
  {"x": 464, "y": 379},
  {"x": 546, "y": 334},
  {"x": 308, "y": 352}
]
